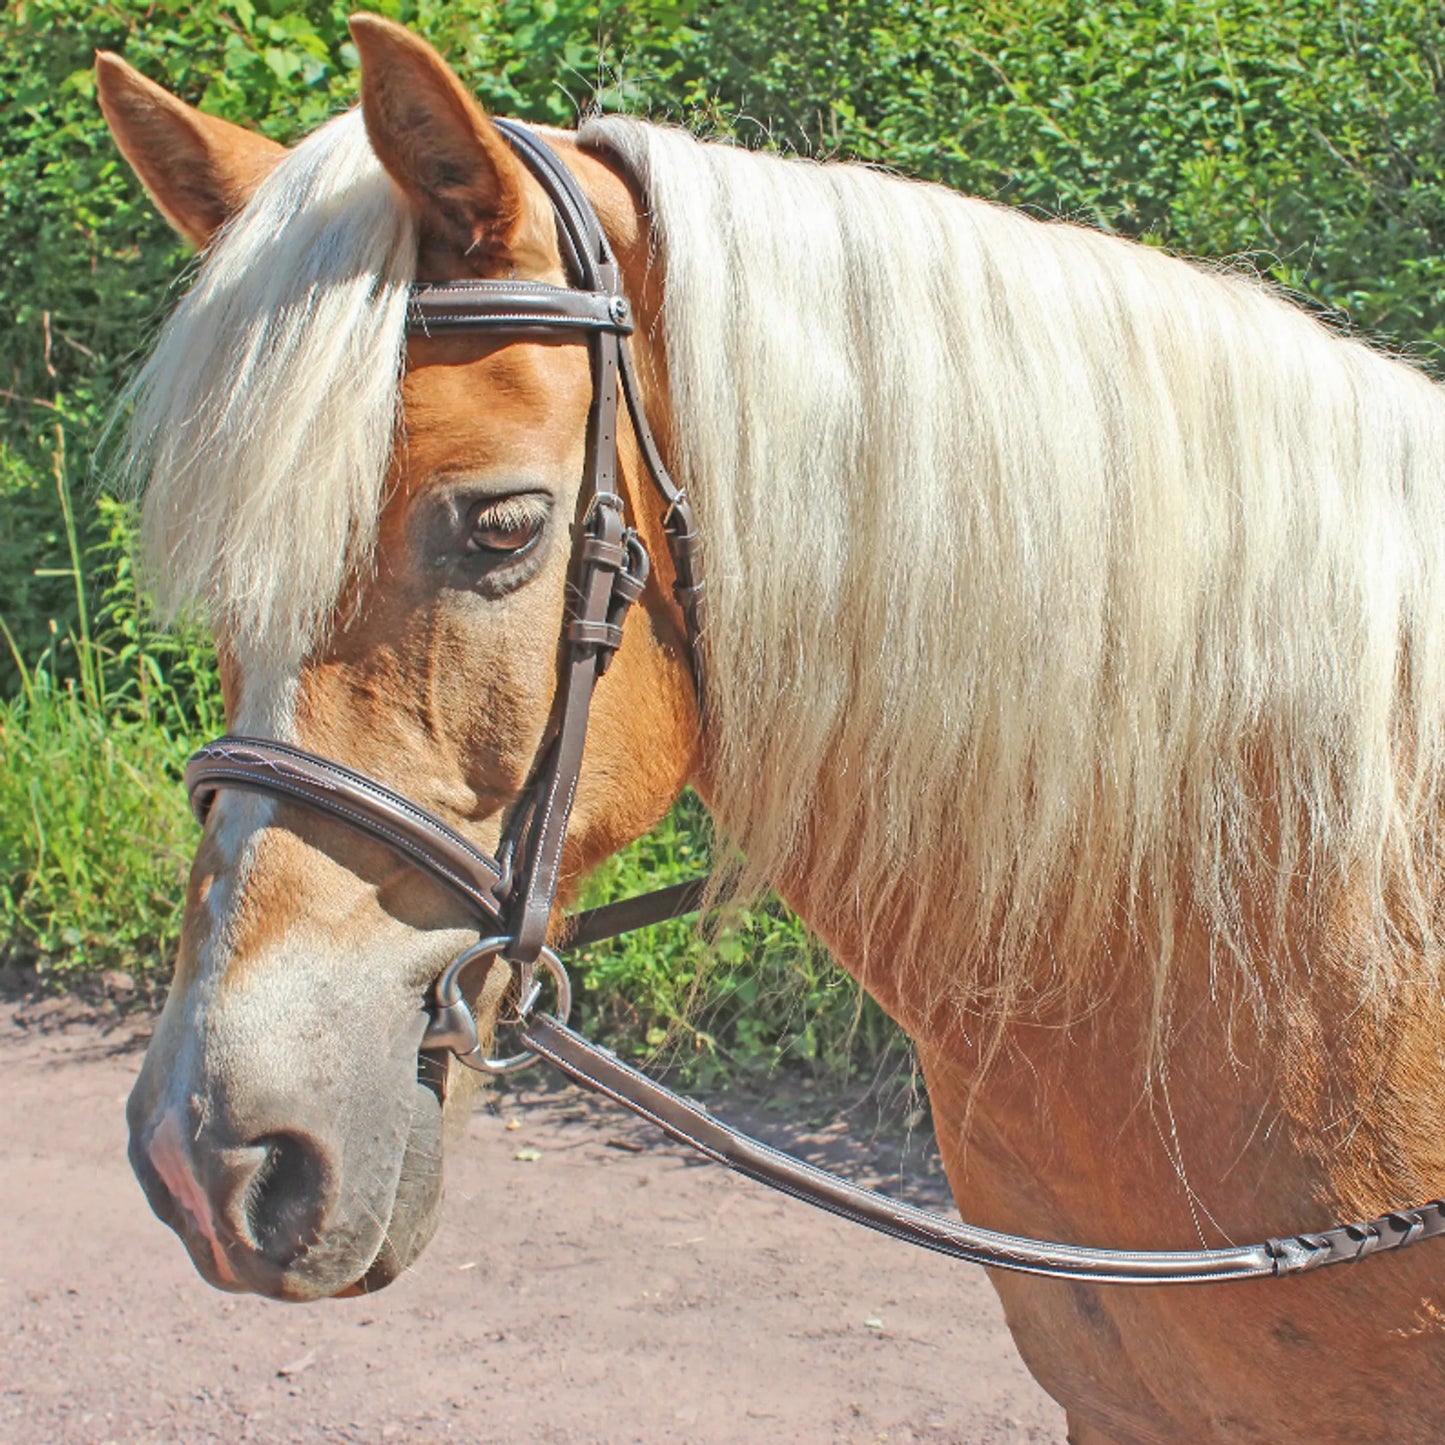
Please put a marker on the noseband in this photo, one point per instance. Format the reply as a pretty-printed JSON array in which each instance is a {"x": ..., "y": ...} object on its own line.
[{"x": 513, "y": 894}]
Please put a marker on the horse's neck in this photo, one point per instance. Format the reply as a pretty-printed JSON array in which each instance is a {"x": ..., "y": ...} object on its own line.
[{"x": 1251, "y": 1116}]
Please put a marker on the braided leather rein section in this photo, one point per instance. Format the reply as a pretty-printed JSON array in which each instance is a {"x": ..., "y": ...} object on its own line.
[
  {"x": 260, "y": 765},
  {"x": 1347, "y": 1243}
]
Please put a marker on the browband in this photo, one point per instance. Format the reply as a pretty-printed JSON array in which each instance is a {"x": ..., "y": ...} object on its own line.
[{"x": 437, "y": 307}]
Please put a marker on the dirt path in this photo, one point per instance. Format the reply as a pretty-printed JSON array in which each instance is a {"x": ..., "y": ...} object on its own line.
[{"x": 609, "y": 1289}]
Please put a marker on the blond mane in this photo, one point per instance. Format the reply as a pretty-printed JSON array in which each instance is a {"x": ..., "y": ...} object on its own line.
[
  {"x": 265, "y": 417},
  {"x": 1052, "y": 578}
]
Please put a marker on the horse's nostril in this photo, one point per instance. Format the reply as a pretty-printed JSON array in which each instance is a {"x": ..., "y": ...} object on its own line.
[{"x": 285, "y": 1198}]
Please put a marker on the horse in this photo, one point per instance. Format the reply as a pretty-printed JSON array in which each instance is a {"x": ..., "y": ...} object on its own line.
[{"x": 1070, "y": 672}]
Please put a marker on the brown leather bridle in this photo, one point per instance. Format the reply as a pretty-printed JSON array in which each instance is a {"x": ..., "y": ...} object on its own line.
[{"x": 513, "y": 894}]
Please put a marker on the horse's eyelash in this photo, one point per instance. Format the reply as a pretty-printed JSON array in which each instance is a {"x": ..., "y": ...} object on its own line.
[{"x": 509, "y": 512}]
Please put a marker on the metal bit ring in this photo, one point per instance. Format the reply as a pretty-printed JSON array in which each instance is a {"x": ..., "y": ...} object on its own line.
[{"x": 452, "y": 1026}]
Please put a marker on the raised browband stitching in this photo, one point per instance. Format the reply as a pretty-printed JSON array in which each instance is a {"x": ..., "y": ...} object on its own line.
[{"x": 512, "y": 306}]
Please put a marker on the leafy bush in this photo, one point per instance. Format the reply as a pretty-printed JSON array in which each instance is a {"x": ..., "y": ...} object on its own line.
[{"x": 1310, "y": 138}]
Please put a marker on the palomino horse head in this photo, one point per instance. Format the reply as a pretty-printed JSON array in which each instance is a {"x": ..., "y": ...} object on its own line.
[{"x": 381, "y": 531}]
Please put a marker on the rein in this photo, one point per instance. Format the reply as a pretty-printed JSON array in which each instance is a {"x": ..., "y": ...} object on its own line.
[{"x": 513, "y": 894}]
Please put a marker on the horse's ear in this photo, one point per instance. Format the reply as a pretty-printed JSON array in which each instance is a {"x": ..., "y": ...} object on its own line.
[
  {"x": 468, "y": 189},
  {"x": 199, "y": 170}
]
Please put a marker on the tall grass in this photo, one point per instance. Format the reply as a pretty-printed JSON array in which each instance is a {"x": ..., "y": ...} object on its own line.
[{"x": 94, "y": 829}]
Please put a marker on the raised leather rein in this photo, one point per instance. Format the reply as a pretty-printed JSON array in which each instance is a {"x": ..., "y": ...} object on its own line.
[{"x": 513, "y": 894}]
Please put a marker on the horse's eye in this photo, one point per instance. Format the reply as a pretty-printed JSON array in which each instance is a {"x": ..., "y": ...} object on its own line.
[{"x": 505, "y": 528}]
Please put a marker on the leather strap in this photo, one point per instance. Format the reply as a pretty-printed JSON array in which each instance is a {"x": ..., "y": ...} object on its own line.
[
  {"x": 611, "y": 920},
  {"x": 260, "y": 765},
  {"x": 553, "y": 791},
  {"x": 586, "y": 251},
  {"x": 590, "y": 261},
  {"x": 512, "y": 306},
  {"x": 683, "y": 544},
  {"x": 277, "y": 770},
  {"x": 601, "y": 1071}
]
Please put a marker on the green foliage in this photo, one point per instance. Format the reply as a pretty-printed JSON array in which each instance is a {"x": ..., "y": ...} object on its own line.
[
  {"x": 94, "y": 833},
  {"x": 94, "y": 830},
  {"x": 1307, "y": 138}
]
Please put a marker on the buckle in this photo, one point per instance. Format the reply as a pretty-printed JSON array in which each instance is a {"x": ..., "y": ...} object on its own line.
[{"x": 628, "y": 562}]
